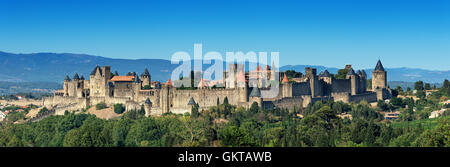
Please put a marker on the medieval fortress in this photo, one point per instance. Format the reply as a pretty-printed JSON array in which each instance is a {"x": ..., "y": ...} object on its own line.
[{"x": 134, "y": 91}]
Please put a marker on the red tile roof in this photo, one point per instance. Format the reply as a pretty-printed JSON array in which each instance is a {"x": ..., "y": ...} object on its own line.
[
  {"x": 122, "y": 78},
  {"x": 285, "y": 79},
  {"x": 169, "y": 82}
]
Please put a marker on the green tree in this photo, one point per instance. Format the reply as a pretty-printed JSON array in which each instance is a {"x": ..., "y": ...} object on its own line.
[
  {"x": 254, "y": 108},
  {"x": 342, "y": 73},
  {"x": 118, "y": 108},
  {"x": 418, "y": 85},
  {"x": 427, "y": 86},
  {"x": 235, "y": 137},
  {"x": 437, "y": 137},
  {"x": 420, "y": 94},
  {"x": 101, "y": 105},
  {"x": 43, "y": 110},
  {"x": 146, "y": 87}
]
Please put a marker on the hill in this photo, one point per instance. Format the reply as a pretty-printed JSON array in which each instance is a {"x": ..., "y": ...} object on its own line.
[{"x": 52, "y": 67}]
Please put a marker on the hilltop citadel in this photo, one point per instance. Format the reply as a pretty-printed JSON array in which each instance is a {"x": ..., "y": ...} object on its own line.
[{"x": 134, "y": 91}]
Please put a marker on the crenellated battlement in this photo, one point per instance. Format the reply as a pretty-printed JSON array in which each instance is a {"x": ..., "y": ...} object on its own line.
[{"x": 135, "y": 90}]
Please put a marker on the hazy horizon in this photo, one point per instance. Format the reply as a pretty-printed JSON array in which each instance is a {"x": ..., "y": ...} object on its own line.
[
  {"x": 413, "y": 33},
  {"x": 338, "y": 67}
]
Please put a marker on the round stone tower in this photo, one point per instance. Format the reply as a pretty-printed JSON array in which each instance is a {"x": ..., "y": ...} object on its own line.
[
  {"x": 145, "y": 77},
  {"x": 148, "y": 107},
  {"x": 354, "y": 81},
  {"x": 242, "y": 87},
  {"x": 379, "y": 77},
  {"x": 66, "y": 85},
  {"x": 255, "y": 96}
]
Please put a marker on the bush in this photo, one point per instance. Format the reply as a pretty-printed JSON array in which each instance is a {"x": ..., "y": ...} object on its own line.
[
  {"x": 100, "y": 106},
  {"x": 43, "y": 110},
  {"x": 146, "y": 87},
  {"x": 118, "y": 108}
]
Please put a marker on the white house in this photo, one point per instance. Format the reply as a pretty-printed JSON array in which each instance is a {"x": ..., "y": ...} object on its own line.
[
  {"x": 437, "y": 113},
  {"x": 2, "y": 115}
]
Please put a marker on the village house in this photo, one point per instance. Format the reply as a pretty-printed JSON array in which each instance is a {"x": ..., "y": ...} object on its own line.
[{"x": 391, "y": 115}]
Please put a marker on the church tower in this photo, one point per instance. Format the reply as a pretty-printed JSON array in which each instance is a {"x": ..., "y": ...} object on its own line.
[{"x": 379, "y": 77}]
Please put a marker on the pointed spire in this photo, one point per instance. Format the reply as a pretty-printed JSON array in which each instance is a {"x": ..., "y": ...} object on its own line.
[
  {"x": 285, "y": 79},
  {"x": 202, "y": 83},
  {"x": 82, "y": 77},
  {"x": 379, "y": 66},
  {"x": 191, "y": 101},
  {"x": 145, "y": 73},
  {"x": 241, "y": 76},
  {"x": 359, "y": 72},
  {"x": 67, "y": 78},
  {"x": 158, "y": 85},
  {"x": 75, "y": 77},
  {"x": 364, "y": 74},
  {"x": 351, "y": 72},
  {"x": 95, "y": 70},
  {"x": 255, "y": 92},
  {"x": 116, "y": 73},
  {"x": 136, "y": 78},
  {"x": 326, "y": 73},
  {"x": 147, "y": 101}
]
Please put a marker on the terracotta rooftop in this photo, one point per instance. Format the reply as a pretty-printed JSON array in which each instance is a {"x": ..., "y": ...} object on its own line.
[
  {"x": 285, "y": 79},
  {"x": 122, "y": 78},
  {"x": 169, "y": 82},
  {"x": 202, "y": 83}
]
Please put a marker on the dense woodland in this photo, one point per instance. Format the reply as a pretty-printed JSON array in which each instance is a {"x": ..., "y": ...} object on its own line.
[{"x": 227, "y": 126}]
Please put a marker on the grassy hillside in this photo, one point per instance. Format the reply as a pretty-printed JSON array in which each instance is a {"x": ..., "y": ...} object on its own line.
[{"x": 425, "y": 123}]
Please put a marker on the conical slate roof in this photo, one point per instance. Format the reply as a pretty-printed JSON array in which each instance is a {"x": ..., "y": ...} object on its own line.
[
  {"x": 326, "y": 73},
  {"x": 147, "y": 101},
  {"x": 76, "y": 77},
  {"x": 191, "y": 101},
  {"x": 145, "y": 73},
  {"x": 359, "y": 72},
  {"x": 136, "y": 79},
  {"x": 351, "y": 72},
  {"x": 82, "y": 77},
  {"x": 364, "y": 73},
  {"x": 67, "y": 78},
  {"x": 116, "y": 73},
  {"x": 95, "y": 70},
  {"x": 158, "y": 85},
  {"x": 110, "y": 84},
  {"x": 379, "y": 66},
  {"x": 255, "y": 92}
]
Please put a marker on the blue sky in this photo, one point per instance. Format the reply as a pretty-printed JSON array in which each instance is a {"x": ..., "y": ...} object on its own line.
[{"x": 402, "y": 33}]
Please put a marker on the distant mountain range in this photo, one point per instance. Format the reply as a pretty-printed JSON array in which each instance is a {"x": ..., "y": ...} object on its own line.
[{"x": 52, "y": 67}]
